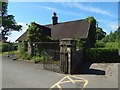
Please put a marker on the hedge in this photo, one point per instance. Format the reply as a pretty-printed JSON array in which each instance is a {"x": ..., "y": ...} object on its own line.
[
  {"x": 100, "y": 55},
  {"x": 4, "y": 47}
]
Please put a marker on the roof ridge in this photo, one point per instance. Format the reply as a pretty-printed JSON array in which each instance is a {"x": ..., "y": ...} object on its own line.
[
  {"x": 67, "y": 22},
  {"x": 72, "y": 21}
]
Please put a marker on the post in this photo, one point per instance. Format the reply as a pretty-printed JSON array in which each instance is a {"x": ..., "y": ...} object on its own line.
[
  {"x": 8, "y": 48},
  {"x": 34, "y": 51},
  {"x": 67, "y": 46}
]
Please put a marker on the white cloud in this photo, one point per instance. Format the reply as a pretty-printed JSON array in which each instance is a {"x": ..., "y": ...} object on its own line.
[
  {"x": 50, "y": 8},
  {"x": 113, "y": 26},
  {"x": 60, "y": 11},
  {"x": 16, "y": 34},
  {"x": 88, "y": 8},
  {"x": 109, "y": 25}
]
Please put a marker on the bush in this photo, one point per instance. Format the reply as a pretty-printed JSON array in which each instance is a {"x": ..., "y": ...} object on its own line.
[
  {"x": 102, "y": 55},
  {"x": 113, "y": 45},
  {"x": 25, "y": 56},
  {"x": 3, "y": 47},
  {"x": 100, "y": 44},
  {"x": 21, "y": 47},
  {"x": 38, "y": 58}
]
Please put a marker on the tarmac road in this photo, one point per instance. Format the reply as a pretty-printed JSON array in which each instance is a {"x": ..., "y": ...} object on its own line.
[{"x": 23, "y": 74}]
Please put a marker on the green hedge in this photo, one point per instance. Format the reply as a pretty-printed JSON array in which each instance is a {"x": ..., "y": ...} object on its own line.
[
  {"x": 3, "y": 47},
  {"x": 100, "y": 55}
]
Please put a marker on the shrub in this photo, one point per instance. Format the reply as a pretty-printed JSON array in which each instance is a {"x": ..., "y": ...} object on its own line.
[
  {"x": 21, "y": 47},
  {"x": 100, "y": 44},
  {"x": 25, "y": 56},
  {"x": 4, "y": 47},
  {"x": 102, "y": 55},
  {"x": 38, "y": 58},
  {"x": 113, "y": 45}
]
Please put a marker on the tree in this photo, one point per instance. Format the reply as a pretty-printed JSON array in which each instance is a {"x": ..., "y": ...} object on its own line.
[
  {"x": 34, "y": 33},
  {"x": 100, "y": 34},
  {"x": 92, "y": 32},
  {"x": 112, "y": 37},
  {"x": 91, "y": 19},
  {"x": 8, "y": 22}
]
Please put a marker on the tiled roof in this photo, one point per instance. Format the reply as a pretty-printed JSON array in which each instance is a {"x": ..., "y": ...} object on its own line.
[{"x": 71, "y": 29}]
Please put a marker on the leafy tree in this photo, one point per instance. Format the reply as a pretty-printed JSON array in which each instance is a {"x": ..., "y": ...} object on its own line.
[
  {"x": 100, "y": 34},
  {"x": 91, "y": 19},
  {"x": 34, "y": 33},
  {"x": 8, "y": 22},
  {"x": 112, "y": 37},
  {"x": 105, "y": 39}
]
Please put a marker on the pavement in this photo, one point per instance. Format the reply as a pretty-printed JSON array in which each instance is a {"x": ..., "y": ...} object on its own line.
[{"x": 24, "y": 74}]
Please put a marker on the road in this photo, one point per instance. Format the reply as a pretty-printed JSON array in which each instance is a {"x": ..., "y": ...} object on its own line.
[{"x": 24, "y": 74}]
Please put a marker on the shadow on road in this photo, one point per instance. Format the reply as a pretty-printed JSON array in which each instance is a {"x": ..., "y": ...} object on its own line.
[{"x": 85, "y": 69}]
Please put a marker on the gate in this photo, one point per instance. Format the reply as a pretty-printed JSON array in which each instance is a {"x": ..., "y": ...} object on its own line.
[
  {"x": 52, "y": 60},
  {"x": 60, "y": 60},
  {"x": 12, "y": 47}
]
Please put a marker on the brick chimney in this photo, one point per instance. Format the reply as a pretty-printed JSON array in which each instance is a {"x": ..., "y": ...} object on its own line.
[{"x": 54, "y": 19}]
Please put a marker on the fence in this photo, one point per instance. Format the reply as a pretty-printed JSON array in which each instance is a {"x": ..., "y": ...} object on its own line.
[{"x": 62, "y": 59}]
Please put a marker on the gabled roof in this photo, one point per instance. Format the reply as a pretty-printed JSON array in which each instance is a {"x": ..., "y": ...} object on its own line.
[{"x": 71, "y": 29}]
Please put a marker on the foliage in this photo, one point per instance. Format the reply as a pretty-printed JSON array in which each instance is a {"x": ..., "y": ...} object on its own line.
[
  {"x": 22, "y": 54},
  {"x": 35, "y": 34},
  {"x": 25, "y": 56},
  {"x": 91, "y": 19},
  {"x": 21, "y": 47},
  {"x": 113, "y": 45},
  {"x": 100, "y": 34},
  {"x": 79, "y": 43},
  {"x": 99, "y": 44},
  {"x": 8, "y": 22},
  {"x": 112, "y": 37},
  {"x": 102, "y": 55},
  {"x": 92, "y": 32},
  {"x": 4, "y": 47},
  {"x": 38, "y": 58},
  {"x": 6, "y": 53}
]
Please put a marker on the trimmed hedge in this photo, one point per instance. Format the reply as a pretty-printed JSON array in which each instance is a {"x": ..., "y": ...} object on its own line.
[{"x": 100, "y": 55}]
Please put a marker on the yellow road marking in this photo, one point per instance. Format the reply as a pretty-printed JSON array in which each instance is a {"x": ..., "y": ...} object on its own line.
[
  {"x": 59, "y": 86},
  {"x": 69, "y": 80}
]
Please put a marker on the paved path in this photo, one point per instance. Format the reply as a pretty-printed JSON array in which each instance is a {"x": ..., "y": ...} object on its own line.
[{"x": 22, "y": 74}]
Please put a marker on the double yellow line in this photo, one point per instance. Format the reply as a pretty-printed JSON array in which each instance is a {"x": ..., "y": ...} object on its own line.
[{"x": 69, "y": 77}]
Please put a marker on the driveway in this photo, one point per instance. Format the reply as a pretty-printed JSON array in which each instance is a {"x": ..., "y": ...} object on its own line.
[{"x": 24, "y": 74}]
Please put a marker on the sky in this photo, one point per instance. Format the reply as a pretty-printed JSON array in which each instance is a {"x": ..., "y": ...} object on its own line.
[{"x": 106, "y": 13}]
